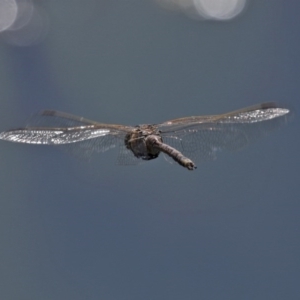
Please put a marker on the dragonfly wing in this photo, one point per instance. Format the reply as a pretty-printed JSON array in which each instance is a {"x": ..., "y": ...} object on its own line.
[
  {"x": 126, "y": 157},
  {"x": 76, "y": 135},
  {"x": 53, "y": 136},
  {"x": 257, "y": 113},
  {"x": 53, "y": 118},
  {"x": 88, "y": 148},
  {"x": 85, "y": 149},
  {"x": 202, "y": 144},
  {"x": 203, "y": 137}
]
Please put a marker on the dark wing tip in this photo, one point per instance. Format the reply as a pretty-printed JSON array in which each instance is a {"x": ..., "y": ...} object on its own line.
[
  {"x": 290, "y": 110},
  {"x": 269, "y": 105},
  {"x": 276, "y": 105},
  {"x": 47, "y": 112}
]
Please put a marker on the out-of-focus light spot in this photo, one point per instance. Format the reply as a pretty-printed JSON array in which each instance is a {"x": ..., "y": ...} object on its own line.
[
  {"x": 8, "y": 13},
  {"x": 25, "y": 11},
  {"x": 218, "y": 10},
  {"x": 31, "y": 34},
  {"x": 29, "y": 27}
]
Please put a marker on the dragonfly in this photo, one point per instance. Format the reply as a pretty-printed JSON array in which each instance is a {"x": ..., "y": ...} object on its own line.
[{"x": 183, "y": 140}]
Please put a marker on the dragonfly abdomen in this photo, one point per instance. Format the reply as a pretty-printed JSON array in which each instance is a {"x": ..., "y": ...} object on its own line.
[{"x": 152, "y": 141}]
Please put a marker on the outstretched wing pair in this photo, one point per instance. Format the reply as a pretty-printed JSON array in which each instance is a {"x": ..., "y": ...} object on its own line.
[{"x": 198, "y": 138}]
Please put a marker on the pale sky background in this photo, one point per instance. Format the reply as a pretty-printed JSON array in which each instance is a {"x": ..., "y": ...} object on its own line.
[{"x": 73, "y": 230}]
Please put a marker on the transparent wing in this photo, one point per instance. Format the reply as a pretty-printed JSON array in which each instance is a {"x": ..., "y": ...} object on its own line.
[
  {"x": 126, "y": 157},
  {"x": 54, "y": 118},
  {"x": 81, "y": 137},
  {"x": 53, "y": 136},
  {"x": 252, "y": 114},
  {"x": 202, "y": 137}
]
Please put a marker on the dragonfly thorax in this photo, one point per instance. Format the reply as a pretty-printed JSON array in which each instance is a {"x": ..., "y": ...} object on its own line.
[{"x": 137, "y": 142}]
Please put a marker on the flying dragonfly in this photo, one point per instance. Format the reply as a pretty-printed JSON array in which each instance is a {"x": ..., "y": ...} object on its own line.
[{"x": 184, "y": 140}]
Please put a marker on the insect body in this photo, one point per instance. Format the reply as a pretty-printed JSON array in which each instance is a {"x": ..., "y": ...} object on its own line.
[{"x": 185, "y": 140}]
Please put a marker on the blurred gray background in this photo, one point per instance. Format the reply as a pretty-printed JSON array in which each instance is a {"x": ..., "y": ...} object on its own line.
[{"x": 77, "y": 230}]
